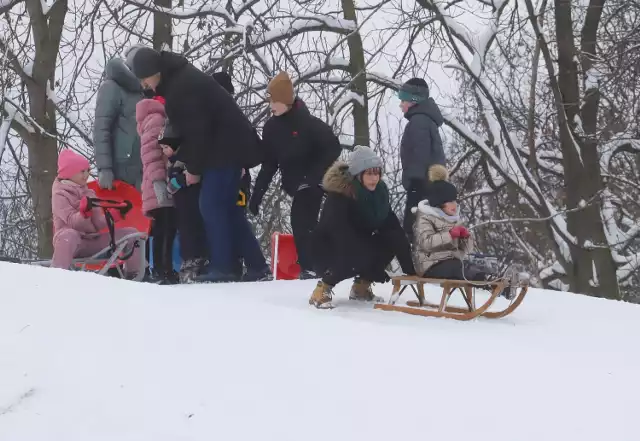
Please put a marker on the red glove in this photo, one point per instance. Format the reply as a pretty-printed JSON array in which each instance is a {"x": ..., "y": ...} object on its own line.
[
  {"x": 85, "y": 208},
  {"x": 464, "y": 233},
  {"x": 456, "y": 231}
]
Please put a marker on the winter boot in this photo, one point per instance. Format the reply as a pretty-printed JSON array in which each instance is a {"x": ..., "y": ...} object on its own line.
[
  {"x": 257, "y": 276},
  {"x": 322, "y": 295},
  {"x": 361, "y": 290},
  {"x": 306, "y": 274},
  {"x": 190, "y": 269}
]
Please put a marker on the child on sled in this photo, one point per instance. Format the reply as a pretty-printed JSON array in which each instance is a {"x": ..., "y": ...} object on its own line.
[
  {"x": 76, "y": 223},
  {"x": 441, "y": 243}
]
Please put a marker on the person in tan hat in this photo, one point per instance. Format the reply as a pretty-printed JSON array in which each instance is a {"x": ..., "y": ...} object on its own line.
[{"x": 303, "y": 147}]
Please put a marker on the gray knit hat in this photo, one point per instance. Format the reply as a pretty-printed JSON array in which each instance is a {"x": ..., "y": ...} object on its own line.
[{"x": 363, "y": 158}]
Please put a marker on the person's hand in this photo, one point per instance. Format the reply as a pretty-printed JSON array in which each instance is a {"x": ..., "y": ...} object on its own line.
[
  {"x": 162, "y": 195},
  {"x": 167, "y": 151},
  {"x": 254, "y": 206},
  {"x": 456, "y": 231},
  {"x": 105, "y": 178},
  {"x": 464, "y": 233},
  {"x": 191, "y": 179},
  {"x": 85, "y": 207}
]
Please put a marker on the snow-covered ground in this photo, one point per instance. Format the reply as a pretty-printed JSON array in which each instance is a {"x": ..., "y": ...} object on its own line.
[{"x": 87, "y": 358}]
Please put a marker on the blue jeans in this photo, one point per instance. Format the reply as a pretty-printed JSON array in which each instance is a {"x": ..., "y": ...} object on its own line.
[{"x": 227, "y": 228}]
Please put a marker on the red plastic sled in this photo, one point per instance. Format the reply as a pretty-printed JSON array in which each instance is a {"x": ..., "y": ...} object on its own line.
[
  {"x": 284, "y": 257},
  {"x": 125, "y": 192}
]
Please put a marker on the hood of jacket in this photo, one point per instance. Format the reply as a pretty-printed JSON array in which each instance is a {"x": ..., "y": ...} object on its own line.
[
  {"x": 116, "y": 70},
  {"x": 337, "y": 179},
  {"x": 147, "y": 107},
  {"x": 429, "y": 108}
]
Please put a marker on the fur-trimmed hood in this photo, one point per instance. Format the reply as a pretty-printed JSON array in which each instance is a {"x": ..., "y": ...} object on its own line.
[
  {"x": 337, "y": 179},
  {"x": 424, "y": 208}
]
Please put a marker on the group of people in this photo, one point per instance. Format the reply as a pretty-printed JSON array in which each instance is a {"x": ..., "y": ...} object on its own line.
[{"x": 178, "y": 135}]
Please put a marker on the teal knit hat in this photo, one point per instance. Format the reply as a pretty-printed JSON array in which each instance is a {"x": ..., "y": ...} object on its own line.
[{"x": 415, "y": 90}]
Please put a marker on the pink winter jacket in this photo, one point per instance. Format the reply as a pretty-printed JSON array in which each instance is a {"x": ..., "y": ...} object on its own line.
[
  {"x": 150, "y": 116},
  {"x": 65, "y": 199}
]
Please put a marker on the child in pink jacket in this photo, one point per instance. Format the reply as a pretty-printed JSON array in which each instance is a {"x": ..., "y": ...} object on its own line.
[
  {"x": 77, "y": 226},
  {"x": 156, "y": 201}
]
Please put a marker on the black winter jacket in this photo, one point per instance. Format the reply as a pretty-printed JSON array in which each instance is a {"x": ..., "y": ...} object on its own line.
[
  {"x": 302, "y": 146},
  {"x": 421, "y": 145},
  {"x": 215, "y": 132},
  {"x": 342, "y": 240}
]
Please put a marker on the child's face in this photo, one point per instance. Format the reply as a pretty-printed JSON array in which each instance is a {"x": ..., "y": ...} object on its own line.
[
  {"x": 81, "y": 177},
  {"x": 278, "y": 108},
  {"x": 168, "y": 151},
  {"x": 370, "y": 178},
  {"x": 450, "y": 208}
]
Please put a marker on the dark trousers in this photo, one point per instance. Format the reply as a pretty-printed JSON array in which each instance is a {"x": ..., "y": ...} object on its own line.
[
  {"x": 369, "y": 265},
  {"x": 193, "y": 240},
  {"x": 227, "y": 228},
  {"x": 415, "y": 195},
  {"x": 456, "y": 269},
  {"x": 305, "y": 209},
  {"x": 163, "y": 232}
]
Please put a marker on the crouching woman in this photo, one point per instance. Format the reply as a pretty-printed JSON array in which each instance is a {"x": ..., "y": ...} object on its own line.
[{"x": 358, "y": 234}]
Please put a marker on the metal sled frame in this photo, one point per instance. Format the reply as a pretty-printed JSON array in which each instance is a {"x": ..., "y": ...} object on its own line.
[
  {"x": 116, "y": 253},
  {"x": 466, "y": 288}
]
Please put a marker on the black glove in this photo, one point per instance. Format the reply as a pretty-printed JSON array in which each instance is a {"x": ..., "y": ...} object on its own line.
[{"x": 127, "y": 208}]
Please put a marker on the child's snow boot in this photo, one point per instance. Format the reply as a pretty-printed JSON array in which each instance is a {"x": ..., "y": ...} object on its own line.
[
  {"x": 361, "y": 290},
  {"x": 322, "y": 295}
]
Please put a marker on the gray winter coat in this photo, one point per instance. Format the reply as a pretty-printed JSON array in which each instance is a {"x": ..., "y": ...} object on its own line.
[
  {"x": 115, "y": 138},
  {"x": 421, "y": 145}
]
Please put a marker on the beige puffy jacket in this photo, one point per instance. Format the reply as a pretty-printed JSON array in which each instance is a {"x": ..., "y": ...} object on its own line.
[{"x": 432, "y": 241}]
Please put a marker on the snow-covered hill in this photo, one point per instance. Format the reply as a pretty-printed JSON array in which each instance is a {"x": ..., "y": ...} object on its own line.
[{"x": 87, "y": 358}]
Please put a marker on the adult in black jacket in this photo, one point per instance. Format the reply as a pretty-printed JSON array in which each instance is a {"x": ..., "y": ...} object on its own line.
[
  {"x": 217, "y": 142},
  {"x": 358, "y": 233},
  {"x": 303, "y": 147}
]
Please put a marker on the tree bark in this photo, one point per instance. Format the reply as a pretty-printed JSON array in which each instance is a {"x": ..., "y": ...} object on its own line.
[
  {"x": 358, "y": 85},
  {"x": 162, "y": 38},
  {"x": 42, "y": 146},
  {"x": 578, "y": 139}
]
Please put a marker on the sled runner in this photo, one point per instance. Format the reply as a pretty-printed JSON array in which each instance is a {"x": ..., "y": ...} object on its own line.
[{"x": 466, "y": 288}]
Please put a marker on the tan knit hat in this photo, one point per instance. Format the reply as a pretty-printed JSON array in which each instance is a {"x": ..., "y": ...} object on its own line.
[{"x": 281, "y": 89}]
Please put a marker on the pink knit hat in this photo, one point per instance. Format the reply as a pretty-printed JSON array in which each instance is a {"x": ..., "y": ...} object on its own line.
[{"x": 70, "y": 163}]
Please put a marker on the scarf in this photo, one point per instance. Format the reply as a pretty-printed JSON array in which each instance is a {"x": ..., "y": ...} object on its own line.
[
  {"x": 455, "y": 218},
  {"x": 373, "y": 205}
]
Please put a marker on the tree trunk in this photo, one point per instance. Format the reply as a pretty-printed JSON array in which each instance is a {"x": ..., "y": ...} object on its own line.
[
  {"x": 42, "y": 146},
  {"x": 581, "y": 164},
  {"x": 358, "y": 85},
  {"x": 162, "y": 38}
]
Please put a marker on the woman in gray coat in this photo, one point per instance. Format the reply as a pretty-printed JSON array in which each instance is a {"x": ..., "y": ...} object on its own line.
[{"x": 115, "y": 138}]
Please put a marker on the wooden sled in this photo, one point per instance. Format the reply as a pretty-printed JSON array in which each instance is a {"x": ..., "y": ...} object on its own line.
[{"x": 466, "y": 288}]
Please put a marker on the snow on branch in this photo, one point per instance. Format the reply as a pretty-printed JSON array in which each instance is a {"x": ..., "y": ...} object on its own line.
[
  {"x": 20, "y": 116},
  {"x": 182, "y": 12},
  {"x": 349, "y": 97},
  {"x": 5, "y": 127},
  {"x": 305, "y": 24},
  {"x": 6, "y": 5}
]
